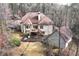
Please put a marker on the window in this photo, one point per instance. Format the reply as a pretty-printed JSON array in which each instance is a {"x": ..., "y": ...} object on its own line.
[
  {"x": 41, "y": 26},
  {"x": 27, "y": 26},
  {"x": 35, "y": 26},
  {"x": 36, "y": 17}
]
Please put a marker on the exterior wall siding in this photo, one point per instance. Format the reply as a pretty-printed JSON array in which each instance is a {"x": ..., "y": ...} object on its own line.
[{"x": 48, "y": 29}]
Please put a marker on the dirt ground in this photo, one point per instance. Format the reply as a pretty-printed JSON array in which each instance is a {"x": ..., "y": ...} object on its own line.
[{"x": 26, "y": 49}]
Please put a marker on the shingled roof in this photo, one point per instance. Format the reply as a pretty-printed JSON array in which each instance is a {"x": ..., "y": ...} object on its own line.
[
  {"x": 65, "y": 33},
  {"x": 32, "y": 18},
  {"x": 65, "y": 37}
]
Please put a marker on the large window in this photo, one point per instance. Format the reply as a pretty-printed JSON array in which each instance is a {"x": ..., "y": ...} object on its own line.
[
  {"x": 35, "y": 26},
  {"x": 41, "y": 26},
  {"x": 27, "y": 26}
]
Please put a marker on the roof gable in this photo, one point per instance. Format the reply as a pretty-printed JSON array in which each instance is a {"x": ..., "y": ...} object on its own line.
[{"x": 33, "y": 17}]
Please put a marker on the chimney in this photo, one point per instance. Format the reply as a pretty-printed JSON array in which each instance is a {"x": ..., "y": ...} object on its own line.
[{"x": 39, "y": 16}]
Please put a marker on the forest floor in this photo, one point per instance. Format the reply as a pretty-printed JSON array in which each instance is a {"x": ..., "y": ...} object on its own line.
[
  {"x": 35, "y": 49},
  {"x": 29, "y": 49},
  {"x": 25, "y": 48}
]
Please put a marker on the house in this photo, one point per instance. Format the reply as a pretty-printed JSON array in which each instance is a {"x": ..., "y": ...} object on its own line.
[
  {"x": 36, "y": 22},
  {"x": 65, "y": 37}
]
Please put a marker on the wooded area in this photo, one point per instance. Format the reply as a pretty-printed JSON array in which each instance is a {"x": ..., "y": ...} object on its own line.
[{"x": 61, "y": 15}]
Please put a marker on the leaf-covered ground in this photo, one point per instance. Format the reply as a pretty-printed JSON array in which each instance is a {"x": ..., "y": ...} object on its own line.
[{"x": 36, "y": 49}]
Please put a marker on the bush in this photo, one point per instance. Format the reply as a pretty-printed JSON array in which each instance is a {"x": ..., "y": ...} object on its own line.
[{"x": 15, "y": 41}]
